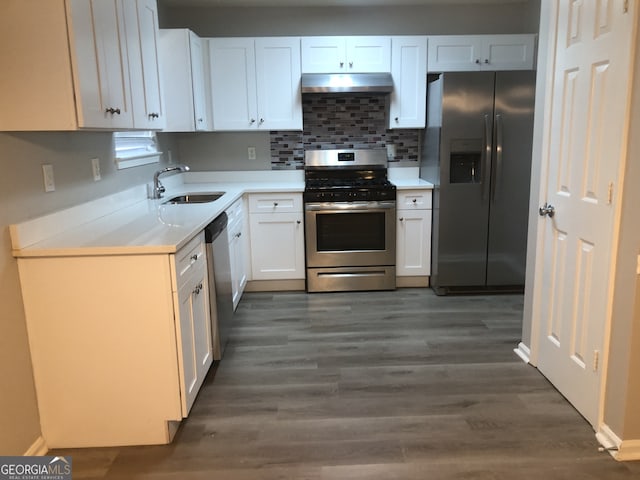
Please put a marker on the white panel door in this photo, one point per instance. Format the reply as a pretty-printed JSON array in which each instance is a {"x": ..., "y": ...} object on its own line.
[
  {"x": 277, "y": 246},
  {"x": 141, "y": 18},
  {"x": 278, "y": 83},
  {"x": 100, "y": 66},
  {"x": 368, "y": 54},
  {"x": 198, "y": 78},
  {"x": 233, "y": 83},
  {"x": 409, "y": 70},
  {"x": 323, "y": 54},
  {"x": 585, "y": 149},
  {"x": 413, "y": 242}
]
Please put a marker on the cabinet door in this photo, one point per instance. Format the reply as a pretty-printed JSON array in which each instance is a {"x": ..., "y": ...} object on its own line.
[
  {"x": 368, "y": 54},
  {"x": 278, "y": 83},
  {"x": 508, "y": 52},
  {"x": 413, "y": 242},
  {"x": 323, "y": 54},
  {"x": 141, "y": 18},
  {"x": 101, "y": 66},
  {"x": 277, "y": 246},
  {"x": 233, "y": 83},
  {"x": 195, "y": 346},
  {"x": 201, "y": 118},
  {"x": 409, "y": 71},
  {"x": 455, "y": 53}
]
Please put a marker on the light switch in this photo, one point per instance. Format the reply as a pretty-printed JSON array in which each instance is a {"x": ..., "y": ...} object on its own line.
[
  {"x": 95, "y": 166},
  {"x": 47, "y": 174}
]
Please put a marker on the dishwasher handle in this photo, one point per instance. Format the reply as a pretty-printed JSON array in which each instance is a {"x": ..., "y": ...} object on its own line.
[{"x": 215, "y": 228}]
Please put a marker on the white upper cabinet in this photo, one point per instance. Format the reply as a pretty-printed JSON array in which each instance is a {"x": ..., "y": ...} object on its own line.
[
  {"x": 255, "y": 83},
  {"x": 461, "y": 53},
  {"x": 141, "y": 19},
  {"x": 101, "y": 64},
  {"x": 409, "y": 71},
  {"x": 78, "y": 64},
  {"x": 358, "y": 54},
  {"x": 183, "y": 78}
]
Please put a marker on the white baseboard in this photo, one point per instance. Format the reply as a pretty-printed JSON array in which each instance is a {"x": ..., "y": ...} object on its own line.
[
  {"x": 38, "y": 449},
  {"x": 621, "y": 450},
  {"x": 523, "y": 352}
]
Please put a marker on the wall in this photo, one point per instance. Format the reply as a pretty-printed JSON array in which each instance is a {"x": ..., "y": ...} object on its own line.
[
  {"x": 398, "y": 20},
  {"x": 228, "y": 151},
  {"x": 22, "y": 197}
]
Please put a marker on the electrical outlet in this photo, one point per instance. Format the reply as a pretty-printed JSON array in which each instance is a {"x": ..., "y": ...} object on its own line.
[
  {"x": 251, "y": 153},
  {"x": 95, "y": 166},
  {"x": 391, "y": 151},
  {"x": 47, "y": 174}
]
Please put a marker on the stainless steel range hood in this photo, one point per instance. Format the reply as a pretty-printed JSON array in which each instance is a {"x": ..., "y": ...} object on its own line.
[{"x": 347, "y": 83}]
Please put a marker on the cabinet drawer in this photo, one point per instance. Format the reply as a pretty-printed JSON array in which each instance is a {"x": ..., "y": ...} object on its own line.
[
  {"x": 189, "y": 257},
  {"x": 275, "y": 202},
  {"x": 418, "y": 199}
]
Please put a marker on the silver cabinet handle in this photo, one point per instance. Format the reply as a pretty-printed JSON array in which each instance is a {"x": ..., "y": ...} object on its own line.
[
  {"x": 415, "y": 200},
  {"x": 486, "y": 60},
  {"x": 478, "y": 61},
  {"x": 499, "y": 145},
  {"x": 402, "y": 219},
  {"x": 238, "y": 235},
  {"x": 350, "y": 64},
  {"x": 547, "y": 210},
  {"x": 486, "y": 156},
  {"x": 253, "y": 120},
  {"x": 275, "y": 204},
  {"x": 341, "y": 64},
  {"x": 112, "y": 110},
  {"x": 194, "y": 257},
  {"x": 397, "y": 119},
  {"x": 298, "y": 222},
  {"x": 261, "y": 121}
]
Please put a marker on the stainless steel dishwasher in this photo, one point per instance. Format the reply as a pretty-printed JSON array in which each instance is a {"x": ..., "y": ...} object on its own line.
[{"x": 220, "y": 292}]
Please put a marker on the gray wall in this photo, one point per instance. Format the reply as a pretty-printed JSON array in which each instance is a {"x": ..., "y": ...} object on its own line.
[
  {"x": 399, "y": 20},
  {"x": 22, "y": 197}
]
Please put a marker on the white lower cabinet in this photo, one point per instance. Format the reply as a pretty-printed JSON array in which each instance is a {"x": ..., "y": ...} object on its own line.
[
  {"x": 277, "y": 236},
  {"x": 237, "y": 247},
  {"x": 413, "y": 228},
  {"x": 193, "y": 321},
  {"x": 120, "y": 344}
]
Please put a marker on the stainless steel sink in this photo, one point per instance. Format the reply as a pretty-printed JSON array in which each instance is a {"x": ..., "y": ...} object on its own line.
[{"x": 195, "y": 198}]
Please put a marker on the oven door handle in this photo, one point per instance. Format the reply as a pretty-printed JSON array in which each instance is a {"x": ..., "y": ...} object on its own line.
[{"x": 342, "y": 206}]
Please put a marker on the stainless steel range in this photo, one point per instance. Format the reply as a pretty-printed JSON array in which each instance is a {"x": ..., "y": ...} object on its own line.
[{"x": 350, "y": 221}]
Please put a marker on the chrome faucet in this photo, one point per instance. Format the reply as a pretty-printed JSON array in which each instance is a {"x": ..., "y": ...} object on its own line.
[{"x": 158, "y": 188}]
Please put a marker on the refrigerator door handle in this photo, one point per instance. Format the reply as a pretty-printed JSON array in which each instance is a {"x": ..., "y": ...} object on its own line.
[
  {"x": 486, "y": 156},
  {"x": 498, "y": 169}
]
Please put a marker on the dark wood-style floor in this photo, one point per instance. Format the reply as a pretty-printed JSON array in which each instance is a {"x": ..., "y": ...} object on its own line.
[{"x": 375, "y": 386}]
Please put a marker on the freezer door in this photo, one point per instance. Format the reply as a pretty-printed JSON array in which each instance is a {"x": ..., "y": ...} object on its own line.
[
  {"x": 465, "y": 172},
  {"x": 510, "y": 179}
]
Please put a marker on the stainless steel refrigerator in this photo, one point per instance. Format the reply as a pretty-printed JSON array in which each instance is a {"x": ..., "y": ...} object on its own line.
[{"x": 477, "y": 153}]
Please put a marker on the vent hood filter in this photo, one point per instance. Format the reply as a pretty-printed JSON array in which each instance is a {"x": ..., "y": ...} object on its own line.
[{"x": 347, "y": 83}]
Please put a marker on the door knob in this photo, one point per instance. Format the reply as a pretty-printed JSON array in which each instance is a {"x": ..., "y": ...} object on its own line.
[{"x": 547, "y": 210}]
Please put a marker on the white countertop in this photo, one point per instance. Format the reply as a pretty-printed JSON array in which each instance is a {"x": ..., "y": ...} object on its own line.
[{"x": 130, "y": 224}]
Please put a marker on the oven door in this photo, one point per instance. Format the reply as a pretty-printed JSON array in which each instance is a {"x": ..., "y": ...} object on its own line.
[{"x": 345, "y": 234}]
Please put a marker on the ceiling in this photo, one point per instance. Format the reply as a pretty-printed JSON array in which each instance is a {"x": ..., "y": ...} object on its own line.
[{"x": 323, "y": 3}]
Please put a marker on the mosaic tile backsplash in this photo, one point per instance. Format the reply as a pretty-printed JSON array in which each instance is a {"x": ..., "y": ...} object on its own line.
[{"x": 341, "y": 121}]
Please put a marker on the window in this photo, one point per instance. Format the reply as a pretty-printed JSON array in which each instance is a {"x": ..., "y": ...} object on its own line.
[{"x": 133, "y": 149}]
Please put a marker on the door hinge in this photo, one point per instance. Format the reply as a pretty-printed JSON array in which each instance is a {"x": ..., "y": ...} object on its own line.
[
  {"x": 610, "y": 194},
  {"x": 625, "y": 6},
  {"x": 596, "y": 358}
]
